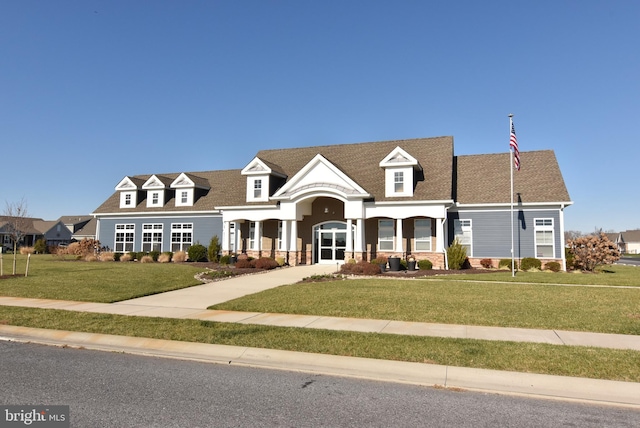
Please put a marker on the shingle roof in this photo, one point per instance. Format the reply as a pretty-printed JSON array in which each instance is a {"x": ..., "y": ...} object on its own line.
[
  {"x": 631, "y": 235},
  {"x": 485, "y": 179}
]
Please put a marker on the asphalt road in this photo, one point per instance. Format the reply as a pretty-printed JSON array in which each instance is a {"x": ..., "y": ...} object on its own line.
[
  {"x": 105, "y": 389},
  {"x": 629, "y": 261}
]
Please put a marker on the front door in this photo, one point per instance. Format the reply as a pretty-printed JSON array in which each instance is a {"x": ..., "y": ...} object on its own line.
[{"x": 331, "y": 242}]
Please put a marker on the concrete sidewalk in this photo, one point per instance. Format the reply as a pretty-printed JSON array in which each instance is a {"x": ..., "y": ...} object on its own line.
[{"x": 191, "y": 303}]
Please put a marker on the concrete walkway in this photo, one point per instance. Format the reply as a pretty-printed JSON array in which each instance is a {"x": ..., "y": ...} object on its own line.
[{"x": 191, "y": 303}]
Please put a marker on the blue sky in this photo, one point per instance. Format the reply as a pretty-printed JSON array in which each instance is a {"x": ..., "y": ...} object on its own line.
[{"x": 94, "y": 90}]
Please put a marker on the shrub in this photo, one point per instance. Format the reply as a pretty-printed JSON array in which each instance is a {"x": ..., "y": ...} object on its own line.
[
  {"x": 425, "y": 265},
  {"x": 360, "y": 268},
  {"x": 154, "y": 255},
  {"x": 197, "y": 253},
  {"x": 593, "y": 250},
  {"x": 40, "y": 246},
  {"x": 116, "y": 256},
  {"x": 179, "y": 257},
  {"x": 486, "y": 263},
  {"x": 164, "y": 258},
  {"x": 243, "y": 264},
  {"x": 553, "y": 266},
  {"x": 571, "y": 260},
  {"x": 90, "y": 258},
  {"x": 107, "y": 256},
  {"x": 370, "y": 269},
  {"x": 280, "y": 261},
  {"x": 27, "y": 250},
  {"x": 529, "y": 263},
  {"x": 506, "y": 263},
  {"x": 214, "y": 249},
  {"x": 133, "y": 255},
  {"x": 225, "y": 260},
  {"x": 266, "y": 263},
  {"x": 74, "y": 248},
  {"x": 126, "y": 257},
  {"x": 457, "y": 255},
  {"x": 379, "y": 260},
  {"x": 146, "y": 259}
]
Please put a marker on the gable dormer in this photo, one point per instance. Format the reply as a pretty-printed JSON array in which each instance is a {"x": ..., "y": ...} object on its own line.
[
  {"x": 128, "y": 189},
  {"x": 186, "y": 186},
  {"x": 260, "y": 180},
  {"x": 156, "y": 187},
  {"x": 399, "y": 173}
]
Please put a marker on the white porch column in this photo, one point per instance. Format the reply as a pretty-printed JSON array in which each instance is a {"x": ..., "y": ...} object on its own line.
[
  {"x": 399, "y": 247},
  {"x": 284, "y": 244},
  {"x": 349, "y": 247},
  {"x": 439, "y": 235},
  {"x": 293, "y": 241},
  {"x": 359, "y": 247},
  {"x": 257, "y": 241},
  {"x": 225, "y": 236}
]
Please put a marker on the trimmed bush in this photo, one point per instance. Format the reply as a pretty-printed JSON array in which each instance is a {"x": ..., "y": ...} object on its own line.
[
  {"x": 116, "y": 257},
  {"x": 107, "y": 256},
  {"x": 179, "y": 257},
  {"x": 154, "y": 255},
  {"x": 27, "y": 250},
  {"x": 486, "y": 263},
  {"x": 280, "y": 261},
  {"x": 90, "y": 258},
  {"x": 457, "y": 255},
  {"x": 265, "y": 263},
  {"x": 125, "y": 257},
  {"x": 225, "y": 260},
  {"x": 146, "y": 259},
  {"x": 360, "y": 268},
  {"x": 198, "y": 253},
  {"x": 425, "y": 265},
  {"x": 243, "y": 264},
  {"x": 553, "y": 266},
  {"x": 529, "y": 263}
]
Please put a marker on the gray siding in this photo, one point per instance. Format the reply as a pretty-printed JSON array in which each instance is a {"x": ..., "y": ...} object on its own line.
[
  {"x": 491, "y": 232},
  {"x": 204, "y": 228}
]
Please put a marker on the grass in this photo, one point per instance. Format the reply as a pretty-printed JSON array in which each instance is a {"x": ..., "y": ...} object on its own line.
[
  {"x": 606, "y": 310},
  {"x": 106, "y": 282},
  {"x": 511, "y": 356}
]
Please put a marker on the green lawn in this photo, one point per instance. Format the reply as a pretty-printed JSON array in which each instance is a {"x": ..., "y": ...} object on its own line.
[
  {"x": 521, "y": 357},
  {"x": 53, "y": 278}
]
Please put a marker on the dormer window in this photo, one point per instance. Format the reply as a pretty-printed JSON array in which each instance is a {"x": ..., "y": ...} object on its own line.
[
  {"x": 127, "y": 199},
  {"x": 400, "y": 170},
  {"x": 184, "y": 197},
  {"x": 128, "y": 189},
  {"x": 257, "y": 188},
  {"x": 185, "y": 186},
  {"x": 155, "y": 197},
  {"x": 398, "y": 181},
  {"x": 156, "y": 187}
]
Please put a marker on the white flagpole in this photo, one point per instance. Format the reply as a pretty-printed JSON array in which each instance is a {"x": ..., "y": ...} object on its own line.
[{"x": 513, "y": 268}]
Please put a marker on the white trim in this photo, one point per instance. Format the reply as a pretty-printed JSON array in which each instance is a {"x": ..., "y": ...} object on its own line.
[
  {"x": 508, "y": 205},
  {"x": 398, "y": 153}
]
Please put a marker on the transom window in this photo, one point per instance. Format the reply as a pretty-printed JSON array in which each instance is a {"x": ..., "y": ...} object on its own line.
[
  {"x": 181, "y": 236},
  {"x": 385, "y": 235},
  {"x": 152, "y": 237},
  {"x": 422, "y": 234},
  {"x": 125, "y": 234},
  {"x": 544, "y": 237}
]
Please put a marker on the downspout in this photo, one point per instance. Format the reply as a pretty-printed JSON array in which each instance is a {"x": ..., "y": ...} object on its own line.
[
  {"x": 564, "y": 257},
  {"x": 444, "y": 247}
]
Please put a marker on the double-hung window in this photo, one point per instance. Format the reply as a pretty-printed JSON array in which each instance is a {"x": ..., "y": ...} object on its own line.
[
  {"x": 544, "y": 237},
  {"x": 257, "y": 188},
  {"x": 463, "y": 233},
  {"x": 398, "y": 181},
  {"x": 422, "y": 234},
  {"x": 152, "y": 237},
  {"x": 124, "y": 237},
  {"x": 385, "y": 235},
  {"x": 181, "y": 236}
]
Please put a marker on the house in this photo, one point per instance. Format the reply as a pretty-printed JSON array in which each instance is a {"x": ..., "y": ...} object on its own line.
[
  {"x": 32, "y": 229},
  {"x": 328, "y": 204},
  {"x": 628, "y": 241},
  {"x": 81, "y": 226}
]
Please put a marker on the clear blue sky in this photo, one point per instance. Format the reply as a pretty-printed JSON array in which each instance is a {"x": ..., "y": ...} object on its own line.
[{"x": 94, "y": 90}]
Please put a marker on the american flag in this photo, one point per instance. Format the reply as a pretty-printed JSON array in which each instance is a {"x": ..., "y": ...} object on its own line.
[{"x": 513, "y": 144}]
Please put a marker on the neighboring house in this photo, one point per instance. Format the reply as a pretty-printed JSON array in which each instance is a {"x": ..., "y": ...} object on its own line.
[
  {"x": 328, "y": 204},
  {"x": 630, "y": 241},
  {"x": 33, "y": 229},
  {"x": 81, "y": 226}
]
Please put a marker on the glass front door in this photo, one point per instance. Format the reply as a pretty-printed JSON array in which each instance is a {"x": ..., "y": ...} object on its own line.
[{"x": 331, "y": 242}]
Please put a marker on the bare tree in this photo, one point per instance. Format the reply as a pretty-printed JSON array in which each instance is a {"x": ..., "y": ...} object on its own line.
[
  {"x": 16, "y": 216},
  {"x": 572, "y": 234}
]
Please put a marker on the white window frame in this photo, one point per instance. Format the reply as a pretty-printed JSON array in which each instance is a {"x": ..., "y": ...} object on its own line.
[
  {"x": 152, "y": 237},
  {"x": 398, "y": 182},
  {"x": 424, "y": 240},
  {"x": 280, "y": 241},
  {"x": 463, "y": 232},
  {"x": 257, "y": 188},
  {"x": 545, "y": 226},
  {"x": 181, "y": 236},
  {"x": 184, "y": 197},
  {"x": 252, "y": 235},
  {"x": 386, "y": 235},
  {"x": 127, "y": 234}
]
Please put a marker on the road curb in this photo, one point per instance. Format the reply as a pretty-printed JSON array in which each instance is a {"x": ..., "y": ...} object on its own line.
[{"x": 597, "y": 391}]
